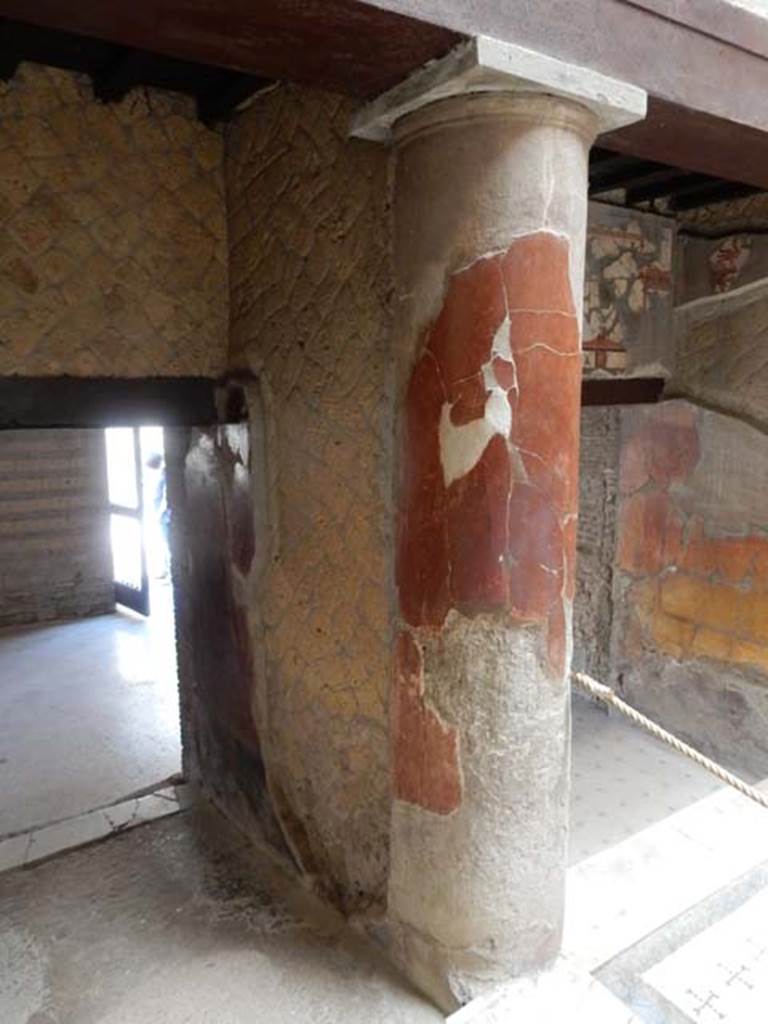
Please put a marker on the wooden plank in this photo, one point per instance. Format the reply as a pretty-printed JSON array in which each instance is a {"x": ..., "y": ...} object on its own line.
[
  {"x": 339, "y": 45},
  {"x": 106, "y": 402},
  {"x": 621, "y": 390},
  {"x": 695, "y": 141},
  {"x": 702, "y": 63}
]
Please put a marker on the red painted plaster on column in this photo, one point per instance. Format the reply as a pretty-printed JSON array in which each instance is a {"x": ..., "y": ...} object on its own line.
[
  {"x": 490, "y": 527},
  {"x": 425, "y": 756}
]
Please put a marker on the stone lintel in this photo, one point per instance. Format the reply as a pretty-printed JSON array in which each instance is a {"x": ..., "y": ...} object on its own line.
[{"x": 483, "y": 64}]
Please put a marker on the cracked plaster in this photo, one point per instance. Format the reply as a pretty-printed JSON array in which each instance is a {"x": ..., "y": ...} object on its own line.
[{"x": 487, "y": 339}]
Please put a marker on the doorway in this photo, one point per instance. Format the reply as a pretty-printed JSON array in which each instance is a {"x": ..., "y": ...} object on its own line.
[
  {"x": 139, "y": 518},
  {"x": 89, "y": 710}
]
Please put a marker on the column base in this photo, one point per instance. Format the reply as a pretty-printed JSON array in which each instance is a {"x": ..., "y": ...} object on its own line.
[{"x": 456, "y": 978}]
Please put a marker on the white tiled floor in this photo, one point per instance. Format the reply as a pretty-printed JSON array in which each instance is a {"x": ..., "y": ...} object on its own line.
[
  {"x": 623, "y": 781},
  {"x": 653, "y": 837},
  {"x": 721, "y": 974},
  {"x": 88, "y": 714},
  {"x": 563, "y": 994}
]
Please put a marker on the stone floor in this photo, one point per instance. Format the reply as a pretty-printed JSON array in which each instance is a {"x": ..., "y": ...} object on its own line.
[
  {"x": 25, "y": 848},
  {"x": 157, "y": 926},
  {"x": 667, "y": 900},
  {"x": 88, "y": 714}
]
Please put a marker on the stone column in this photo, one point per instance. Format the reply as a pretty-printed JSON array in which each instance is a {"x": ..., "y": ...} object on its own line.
[{"x": 490, "y": 198}]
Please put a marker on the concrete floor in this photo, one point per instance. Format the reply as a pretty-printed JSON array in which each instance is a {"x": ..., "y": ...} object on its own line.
[
  {"x": 88, "y": 714},
  {"x": 156, "y": 926}
]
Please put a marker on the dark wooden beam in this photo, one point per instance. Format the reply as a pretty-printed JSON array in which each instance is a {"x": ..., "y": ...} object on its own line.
[
  {"x": 624, "y": 172},
  {"x": 695, "y": 141},
  {"x": 117, "y": 79},
  {"x": 705, "y": 65},
  {"x": 664, "y": 184},
  {"x": 220, "y": 102},
  {"x": 27, "y": 402},
  {"x": 20, "y": 41},
  {"x": 713, "y": 192},
  {"x": 621, "y": 390},
  {"x": 598, "y": 155},
  {"x": 341, "y": 45},
  {"x": 115, "y": 70},
  {"x": 703, "y": 54},
  {"x": 608, "y": 167},
  {"x": 9, "y": 58}
]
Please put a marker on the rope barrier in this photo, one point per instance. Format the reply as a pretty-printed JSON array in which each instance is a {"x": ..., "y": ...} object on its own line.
[{"x": 608, "y": 696}]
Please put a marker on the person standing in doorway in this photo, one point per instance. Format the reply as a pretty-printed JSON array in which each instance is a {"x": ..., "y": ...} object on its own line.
[{"x": 161, "y": 517}]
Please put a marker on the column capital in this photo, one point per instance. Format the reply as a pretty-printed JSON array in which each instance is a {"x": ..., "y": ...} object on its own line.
[{"x": 487, "y": 65}]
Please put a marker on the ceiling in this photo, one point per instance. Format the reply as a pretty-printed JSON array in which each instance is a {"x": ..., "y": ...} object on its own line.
[
  {"x": 343, "y": 46},
  {"x": 659, "y": 187},
  {"x": 706, "y": 71},
  {"x": 115, "y": 70},
  {"x": 350, "y": 48}
]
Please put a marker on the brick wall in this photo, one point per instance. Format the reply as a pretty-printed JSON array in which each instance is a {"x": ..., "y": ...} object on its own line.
[
  {"x": 55, "y": 560},
  {"x": 593, "y": 606}
]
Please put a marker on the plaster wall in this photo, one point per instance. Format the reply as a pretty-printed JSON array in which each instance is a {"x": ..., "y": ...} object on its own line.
[
  {"x": 628, "y": 332},
  {"x": 721, "y": 352},
  {"x": 683, "y": 601},
  {"x": 112, "y": 233},
  {"x": 628, "y": 300},
  {"x": 55, "y": 559},
  {"x": 712, "y": 267},
  {"x": 691, "y": 584},
  {"x": 310, "y": 292}
]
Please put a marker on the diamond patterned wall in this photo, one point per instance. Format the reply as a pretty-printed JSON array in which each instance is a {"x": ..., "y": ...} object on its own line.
[
  {"x": 310, "y": 312},
  {"x": 112, "y": 232}
]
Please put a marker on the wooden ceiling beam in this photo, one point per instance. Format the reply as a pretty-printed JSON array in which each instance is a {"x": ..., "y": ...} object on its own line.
[
  {"x": 714, "y": 192},
  {"x": 695, "y": 141},
  {"x": 219, "y": 103},
  {"x": 714, "y": 124},
  {"x": 117, "y": 79},
  {"x": 667, "y": 184},
  {"x": 624, "y": 173},
  {"x": 340, "y": 45}
]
